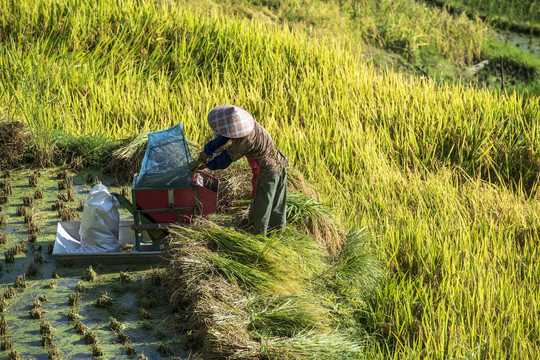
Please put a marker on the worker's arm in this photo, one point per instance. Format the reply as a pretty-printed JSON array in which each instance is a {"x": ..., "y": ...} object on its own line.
[
  {"x": 222, "y": 161},
  {"x": 212, "y": 146}
]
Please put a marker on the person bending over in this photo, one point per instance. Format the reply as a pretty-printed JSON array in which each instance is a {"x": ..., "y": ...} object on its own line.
[{"x": 240, "y": 135}]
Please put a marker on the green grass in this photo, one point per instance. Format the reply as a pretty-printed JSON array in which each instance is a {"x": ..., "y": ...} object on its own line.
[
  {"x": 520, "y": 15},
  {"x": 445, "y": 174}
]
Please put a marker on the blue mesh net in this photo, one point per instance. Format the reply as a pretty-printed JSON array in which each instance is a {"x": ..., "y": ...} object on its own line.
[{"x": 166, "y": 161}]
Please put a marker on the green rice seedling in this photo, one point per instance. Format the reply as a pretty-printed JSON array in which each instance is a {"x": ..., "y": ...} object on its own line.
[
  {"x": 38, "y": 194},
  {"x": 104, "y": 301},
  {"x": 37, "y": 313},
  {"x": 5, "y": 188},
  {"x": 32, "y": 269},
  {"x": 45, "y": 328},
  {"x": 114, "y": 324},
  {"x": 33, "y": 228},
  {"x": 97, "y": 350},
  {"x": 65, "y": 184},
  {"x": 9, "y": 293},
  {"x": 130, "y": 350},
  {"x": 165, "y": 350},
  {"x": 122, "y": 338},
  {"x": 28, "y": 217},
  {"x": 125, "y": 278},
  {"x": 74, "y": 298},
  {"x": 148, "y": 303},
  {"x": 89, "y": 275},
  {"x": 20, "y": 247},
  {"x": 81, "y": 328},
  {"x": 144, "y": 314},
  {"x": 53, "y": 352},
  {"x": 37, "y": 304},
  {"x": 3, "y": 326},
  {"x": 64, "y": 174},
  {"x": 46, "y": 340},
  {"x": 32, "y": 239},
  {"x": 3, "y": 304},
  {"x": 21, "y": 210},
  {"x": 73, "y": 315},
  {"x": 51, "y": 284},
  {"x": 66, "y": 214},
  {"x": 70, "y": 195},
  {"x": 6, "y": 344},
  {"x": 3, "y": 239},
  {"x": 14, "y": 355},
  {"x": 90, "y": 337},
  {"x": 38, "y": 259},
  {"x": 33, "y": 181},
  {"x": 28, "y": 200},
  {"x": 80, "y": 287},
  {"x": 20, "y": 282},
  {"x": 9, "y": 255},
  {"x": 58, "y": 204},
  {"x": 146, "y": 325}
]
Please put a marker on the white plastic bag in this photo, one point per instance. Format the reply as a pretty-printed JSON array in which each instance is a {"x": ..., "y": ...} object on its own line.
[{"x": 100, "y": 222}]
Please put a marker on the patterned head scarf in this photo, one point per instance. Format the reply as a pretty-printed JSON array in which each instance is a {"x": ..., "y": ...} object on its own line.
[{"x": 231, "y": 121}]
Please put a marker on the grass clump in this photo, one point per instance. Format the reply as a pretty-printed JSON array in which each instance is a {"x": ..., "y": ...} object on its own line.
[
  {"x": 130, "y": 350},
  {"x": 104, "y": 301},
  {"x": 122, "y": 338},
  {"x": 81, "y": 328},
  {"x": 6, "y": 344},
  {"x": 3, "y": 304},
  {"x": 89, "y": 274},
  {"x": 90, "y": 337},
  {"x": 73, "y": 315},
  {"x": 74, "y": 298},
  {"x": 114, "y": 324},
  {"x": 20, "y": 282},
  {"x": 14, "y": 355}
]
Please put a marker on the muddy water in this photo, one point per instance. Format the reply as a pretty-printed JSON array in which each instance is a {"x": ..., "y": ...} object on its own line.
[
  {"x": 526, "y": 42},
  {"x": 127, "y": 298}
]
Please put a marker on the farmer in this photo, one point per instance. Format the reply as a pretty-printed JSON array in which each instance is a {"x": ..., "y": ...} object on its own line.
[{"x": 240, "y": 135}]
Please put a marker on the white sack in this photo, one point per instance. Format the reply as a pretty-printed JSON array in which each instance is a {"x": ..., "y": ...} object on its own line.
[{"x": 100, "y": 222}]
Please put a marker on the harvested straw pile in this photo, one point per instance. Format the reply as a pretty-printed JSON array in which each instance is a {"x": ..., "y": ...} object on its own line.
[
  {"x": 14, "y": 137},
  {"x": 250, "y": 297},
  {"x": 315, "y": 219},
  {"x": 126, "y": 160}
]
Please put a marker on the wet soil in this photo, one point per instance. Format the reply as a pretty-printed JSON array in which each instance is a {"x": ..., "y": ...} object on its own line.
[{"x": 135, "y": 289}]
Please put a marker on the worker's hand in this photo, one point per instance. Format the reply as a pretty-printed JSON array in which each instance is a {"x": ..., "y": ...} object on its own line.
[
  {"x": 194, "y": 166},
  {"x": 204, "y": 157}
]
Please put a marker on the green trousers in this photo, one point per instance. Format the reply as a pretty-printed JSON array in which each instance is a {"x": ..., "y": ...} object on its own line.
[{"x": 268, "y": 211}]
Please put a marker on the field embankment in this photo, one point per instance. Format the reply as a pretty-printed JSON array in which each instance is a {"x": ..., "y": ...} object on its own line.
[{"x": 445, "y": 174}]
